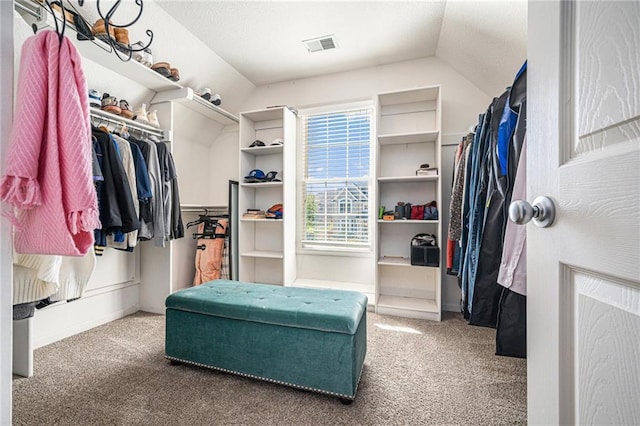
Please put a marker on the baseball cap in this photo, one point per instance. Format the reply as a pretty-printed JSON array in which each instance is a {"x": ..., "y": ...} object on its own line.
[
  {"x": 255, "y": 175},
  {"x": 277, "y": 141},
  {"x": 256, "y": 143}
]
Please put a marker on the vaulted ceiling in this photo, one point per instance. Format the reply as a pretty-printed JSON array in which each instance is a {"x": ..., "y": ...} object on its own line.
[{"x": 484, "y": 40}]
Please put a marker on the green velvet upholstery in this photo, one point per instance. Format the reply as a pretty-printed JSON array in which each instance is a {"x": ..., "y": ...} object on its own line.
[{"x": 307, "y": 338}]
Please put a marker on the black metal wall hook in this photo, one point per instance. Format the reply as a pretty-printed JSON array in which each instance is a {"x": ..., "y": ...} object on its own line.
[{"x": 126, "y": 50}]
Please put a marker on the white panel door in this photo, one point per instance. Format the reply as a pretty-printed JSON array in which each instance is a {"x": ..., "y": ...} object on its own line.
[{"x": 583, "y": 129}]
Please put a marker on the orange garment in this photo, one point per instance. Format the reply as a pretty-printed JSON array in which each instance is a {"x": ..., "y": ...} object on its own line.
[{"x": 209, "y": 260}]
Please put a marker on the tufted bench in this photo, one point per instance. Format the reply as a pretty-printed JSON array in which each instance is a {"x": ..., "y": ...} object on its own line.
[{"x": 306, "y": 338}]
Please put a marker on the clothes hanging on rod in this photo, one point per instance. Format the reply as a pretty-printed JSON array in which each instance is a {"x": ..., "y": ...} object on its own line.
[
  {"x": 485, "y": 170},
  {"x": 48, "y": 174},
  {"x": 211, "y": 249}
]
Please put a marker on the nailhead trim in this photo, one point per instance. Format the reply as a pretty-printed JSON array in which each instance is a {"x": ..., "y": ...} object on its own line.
[{"x": 268, "y": 379}]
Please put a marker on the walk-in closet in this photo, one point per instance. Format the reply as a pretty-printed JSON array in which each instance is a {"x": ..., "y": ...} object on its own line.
[{"x": 313, "y": 212}]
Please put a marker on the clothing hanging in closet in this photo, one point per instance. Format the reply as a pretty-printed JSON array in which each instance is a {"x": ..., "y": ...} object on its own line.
[
  {"x": 485, "y": 170},
  {"x": 48, "y": 170},
  {"x": 210, "y": 250}
]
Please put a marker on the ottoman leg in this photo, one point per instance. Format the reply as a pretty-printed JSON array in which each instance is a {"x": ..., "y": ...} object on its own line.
[
  {"x": 175, "y": 362},
  {"x": 346, "y": 401}
]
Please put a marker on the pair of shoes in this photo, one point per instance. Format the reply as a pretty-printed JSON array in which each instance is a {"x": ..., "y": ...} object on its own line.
[
  {"x": 110, "y": 104},
  {"x": 95, "y": 99},
  {"x": 99, "y": 30},
  {"x": 207, "y": 95},
  {"x": 144, "y": 56},
  {"x": 164, "y": 69},
  {"x": 150, "y": 118}
]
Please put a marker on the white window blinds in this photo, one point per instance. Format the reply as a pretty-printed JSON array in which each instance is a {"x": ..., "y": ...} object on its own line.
[{"x": 336, "y": 179}]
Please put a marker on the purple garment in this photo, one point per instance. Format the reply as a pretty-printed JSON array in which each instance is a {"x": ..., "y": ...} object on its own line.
[{"x": 513, "y": 267}]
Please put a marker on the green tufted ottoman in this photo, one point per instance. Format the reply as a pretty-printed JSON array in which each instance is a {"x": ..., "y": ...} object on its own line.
[{"x": 307, "y": 338}]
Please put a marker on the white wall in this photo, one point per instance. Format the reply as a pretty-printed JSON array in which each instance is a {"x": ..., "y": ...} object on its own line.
[{"x": 461, "y": 104}]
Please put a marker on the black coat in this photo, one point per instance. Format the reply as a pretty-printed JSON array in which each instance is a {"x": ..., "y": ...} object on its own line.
[{"x": 117, "y": 211}]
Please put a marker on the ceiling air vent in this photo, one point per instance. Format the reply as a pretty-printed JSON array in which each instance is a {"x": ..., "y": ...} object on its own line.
[{"x": 321, "y": 43}]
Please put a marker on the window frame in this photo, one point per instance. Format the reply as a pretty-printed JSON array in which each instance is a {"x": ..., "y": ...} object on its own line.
[{"x": 320, "y": 249}]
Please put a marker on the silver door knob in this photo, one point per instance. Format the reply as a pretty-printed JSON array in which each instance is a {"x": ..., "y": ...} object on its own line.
[{"x": 543, "y": 212}]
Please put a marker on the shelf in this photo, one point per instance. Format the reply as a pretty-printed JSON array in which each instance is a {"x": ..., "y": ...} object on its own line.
[
  {"x": 98, "y": 51},
  {"x": 261, "y": 185},
  {"x": 264, "y": 114},
  {"x": 260, "y": 220},
  {"x": 394, "y": 261},
  {"x": 188, "y": 98},
  {"x": 407, "y": 221},
  {"x": 263, "y": 254},
  {"x": 409, "y": 96},
  {"x": 408, "y": 303},
  {"x": 404, "y": 138},
  {"x": 393, "y": 179},
  {"x": 263, "y": 150}
]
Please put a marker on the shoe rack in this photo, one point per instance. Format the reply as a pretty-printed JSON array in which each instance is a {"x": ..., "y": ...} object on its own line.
[{"x": 267, "y": 246}]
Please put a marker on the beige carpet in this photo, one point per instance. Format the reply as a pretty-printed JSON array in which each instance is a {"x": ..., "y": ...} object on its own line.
[{"x": 416, "y": 372}]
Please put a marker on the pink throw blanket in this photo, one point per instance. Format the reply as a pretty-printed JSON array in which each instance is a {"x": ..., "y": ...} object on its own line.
[{"x": 48, "y": 176}]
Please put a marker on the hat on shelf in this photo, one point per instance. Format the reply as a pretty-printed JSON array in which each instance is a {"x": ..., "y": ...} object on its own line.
[
  {"x": 273, "y": 177},
  {"x": 256, "y": 143},
  {"x": 277, "y": 141},
  {"x": 274, "y": 212},
  {"x": 254, "y": 176}
]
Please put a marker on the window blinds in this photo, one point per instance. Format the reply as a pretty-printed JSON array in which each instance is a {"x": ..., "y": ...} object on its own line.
[{"x": 336, "y": 179}]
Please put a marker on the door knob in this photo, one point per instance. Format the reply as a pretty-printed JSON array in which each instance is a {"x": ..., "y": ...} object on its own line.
[{"x": 543, "y": 212}]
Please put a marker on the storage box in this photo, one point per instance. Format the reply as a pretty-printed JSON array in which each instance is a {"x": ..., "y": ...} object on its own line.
[{"x": 425, "y": 256}]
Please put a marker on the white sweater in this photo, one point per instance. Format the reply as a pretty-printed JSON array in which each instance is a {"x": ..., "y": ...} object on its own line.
[{"x": 36, "y": 277}]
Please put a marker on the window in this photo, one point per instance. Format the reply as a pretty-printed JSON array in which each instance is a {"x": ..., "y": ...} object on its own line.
[{"x": 336, "y": 179}]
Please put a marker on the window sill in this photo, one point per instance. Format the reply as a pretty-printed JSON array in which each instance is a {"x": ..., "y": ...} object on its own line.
[{"x": 338, "y": 252}]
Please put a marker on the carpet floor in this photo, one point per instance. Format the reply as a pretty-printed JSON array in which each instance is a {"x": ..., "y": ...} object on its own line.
[{"x": 416, "y": 372}]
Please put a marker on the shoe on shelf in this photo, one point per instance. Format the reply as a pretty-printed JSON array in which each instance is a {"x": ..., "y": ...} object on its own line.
[
  {"x": 110, "y": 104},
  {"x": 175, "y": 74},
  {"x": 162, "y": 68},
  {"x": 204, "y": 93},
  {"x": 141, "y": 114},
  {"x": 126, "y": 110},
  {"x": 216, "y": 99},
  {"x": 153, "y": 119},
  {"x": 144, "y": 56},
  {"x": 95, "y": 98},
  {"x": 100, "y": 31}
]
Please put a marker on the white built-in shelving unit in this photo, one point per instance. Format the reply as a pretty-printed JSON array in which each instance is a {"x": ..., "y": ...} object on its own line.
[
  {"x": 267, "y": 246},
  {"x": 408, "y": 135}
]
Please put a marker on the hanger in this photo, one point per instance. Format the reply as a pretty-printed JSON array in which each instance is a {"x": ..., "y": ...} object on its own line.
[{"x": 124, "y": 132}]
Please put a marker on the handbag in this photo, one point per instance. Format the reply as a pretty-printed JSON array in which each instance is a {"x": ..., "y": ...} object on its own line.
[
  {"x": 431, "y": 211},
  {"x": 417, "y": 212}
]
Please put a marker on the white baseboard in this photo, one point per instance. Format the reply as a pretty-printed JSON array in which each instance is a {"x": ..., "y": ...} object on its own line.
[
  {"x": 62, "y": 320},
  {"x": 451, "y": 307}
]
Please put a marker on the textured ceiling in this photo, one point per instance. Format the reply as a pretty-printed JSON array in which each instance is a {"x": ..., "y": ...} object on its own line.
[{"x": 484, "y": 40}]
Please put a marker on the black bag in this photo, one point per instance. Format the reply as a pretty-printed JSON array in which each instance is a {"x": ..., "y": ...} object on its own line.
[{"x": 425, "y": 250}]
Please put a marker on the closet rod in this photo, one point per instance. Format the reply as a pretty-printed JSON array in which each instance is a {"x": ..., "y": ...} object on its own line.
[
  {"x": 199, "y": 208},
  {"x": 100, "y": 115}
]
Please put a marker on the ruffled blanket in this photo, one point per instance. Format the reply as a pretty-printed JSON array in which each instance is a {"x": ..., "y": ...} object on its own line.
[{"x": 47, "y": 177}]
